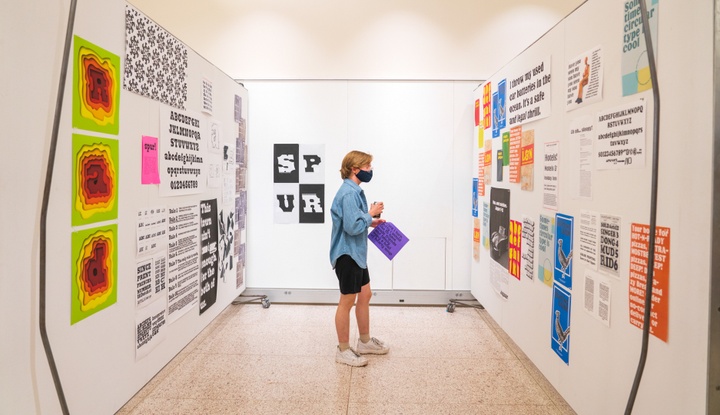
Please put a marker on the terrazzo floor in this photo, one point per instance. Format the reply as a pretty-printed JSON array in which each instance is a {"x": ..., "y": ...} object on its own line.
[{"x": 281, "y": 360}]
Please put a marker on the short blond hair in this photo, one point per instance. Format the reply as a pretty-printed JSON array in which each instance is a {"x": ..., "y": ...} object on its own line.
[{"x": 354, "y": 159}]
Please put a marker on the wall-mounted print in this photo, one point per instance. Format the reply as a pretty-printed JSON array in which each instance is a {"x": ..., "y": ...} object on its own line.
[
  {"x": 94, "y": 179},
  {"x": 96, "y": 88},
  {"x": 156, "y": 62},
  {"x": 94, "y": 271}
]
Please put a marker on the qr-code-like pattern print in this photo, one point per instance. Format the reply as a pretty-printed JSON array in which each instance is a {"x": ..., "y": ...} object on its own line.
[{"x": 155, "y": 61}]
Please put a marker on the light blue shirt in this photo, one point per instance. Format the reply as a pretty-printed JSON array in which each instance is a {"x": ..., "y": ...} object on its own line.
[{"x": 350, "y": 223}]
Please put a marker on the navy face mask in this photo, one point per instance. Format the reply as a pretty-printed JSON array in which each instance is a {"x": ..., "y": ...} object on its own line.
[{"x": 364, "y": 176}]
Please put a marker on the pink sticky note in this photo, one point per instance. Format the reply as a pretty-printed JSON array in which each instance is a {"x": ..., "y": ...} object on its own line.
[{"x": 150, "y": 173}]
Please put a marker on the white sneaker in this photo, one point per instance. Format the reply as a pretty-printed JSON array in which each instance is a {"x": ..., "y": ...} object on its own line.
[
  {"x": 350, "y": 357},
  {"x": 373, "y": 346}
]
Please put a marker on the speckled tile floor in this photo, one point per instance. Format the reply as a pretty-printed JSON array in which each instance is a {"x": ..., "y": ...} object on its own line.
[{"x": 281, "y": 360}]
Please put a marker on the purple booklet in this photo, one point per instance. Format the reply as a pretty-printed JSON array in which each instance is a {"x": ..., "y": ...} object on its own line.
[{"x": 388, "y": 239}]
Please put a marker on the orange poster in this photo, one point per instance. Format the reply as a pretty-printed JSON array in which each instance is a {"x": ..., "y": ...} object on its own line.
[{"x": 639, "y": 245}]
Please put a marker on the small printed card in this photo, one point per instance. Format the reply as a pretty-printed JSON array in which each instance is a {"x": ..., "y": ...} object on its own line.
[{"x": 388, "y": 239}]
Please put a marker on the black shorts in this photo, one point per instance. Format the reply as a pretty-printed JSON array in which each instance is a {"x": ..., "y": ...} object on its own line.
[{"x": 350, "y": 276}]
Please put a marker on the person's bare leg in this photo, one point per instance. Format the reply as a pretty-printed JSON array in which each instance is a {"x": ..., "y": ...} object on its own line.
[
  {"x": 342, "y": 317},
  {"x": 362, "y": 312}
]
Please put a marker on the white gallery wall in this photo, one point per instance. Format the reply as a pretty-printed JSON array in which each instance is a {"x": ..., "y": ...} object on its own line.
[
  {"x": 603, "y": 351},
  {"x": 98, "y": 365},
  {"x": 418, "y": 133}
]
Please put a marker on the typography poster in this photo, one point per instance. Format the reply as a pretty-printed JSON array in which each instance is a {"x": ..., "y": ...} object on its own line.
[
  {"x": 299, "y": 183},
  {"x": 635, "y": 65},
  {"x": 584, "y": 79},
  {"x": 208, "y": 254},
  {"x": 546, "y": 249},
  {"x": 183, "y": 259},
  {"x": 96, "y": 88},
  {"x": 183, "y": 157},
  {"x": 94, "y": 179},
  {"x": 620, "y": 137},
  {"x": 94, "y": 271}
]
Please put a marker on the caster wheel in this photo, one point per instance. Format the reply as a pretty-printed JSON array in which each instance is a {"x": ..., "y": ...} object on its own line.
[
  {"x": 265, "y": 303},
  {"x": 450, "y": 308}
]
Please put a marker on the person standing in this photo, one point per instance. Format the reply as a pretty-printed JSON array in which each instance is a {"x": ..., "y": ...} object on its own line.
[{"x": 351, "y": 218}]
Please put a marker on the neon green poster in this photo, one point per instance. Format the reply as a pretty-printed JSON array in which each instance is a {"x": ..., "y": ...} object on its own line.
[
  {"x": 96, "y": 88},
  {"x": 94, "y": 179},
  {"x": 94, "y": 271}
]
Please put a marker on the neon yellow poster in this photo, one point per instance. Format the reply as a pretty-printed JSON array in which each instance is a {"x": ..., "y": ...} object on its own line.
[
  {"x": 96, "y": 88},
  {"x": 94, "y": 271},
  {"x": 94, "y": 179}
]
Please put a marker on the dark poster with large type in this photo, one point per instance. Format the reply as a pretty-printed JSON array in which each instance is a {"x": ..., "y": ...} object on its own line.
[
  {"x": 299, "y": 183},
  {"x": 208, "y": 253},
  {"x": 499, "y": 225}
]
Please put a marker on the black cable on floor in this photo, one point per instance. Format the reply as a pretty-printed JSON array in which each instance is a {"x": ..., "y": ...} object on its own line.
[
  {"x": 45, "y": 201},
  {"x": 653, "y": 210}
]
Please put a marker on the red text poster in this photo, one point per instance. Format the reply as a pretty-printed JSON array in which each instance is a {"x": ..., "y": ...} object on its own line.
[
  {"x": 514, "y": 246},
  {"x": 639, "y": 245},
  {"x": 515, "y": 136}
]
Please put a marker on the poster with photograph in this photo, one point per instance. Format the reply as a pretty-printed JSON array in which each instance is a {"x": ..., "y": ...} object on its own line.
[{"x": 584, "y": 79}]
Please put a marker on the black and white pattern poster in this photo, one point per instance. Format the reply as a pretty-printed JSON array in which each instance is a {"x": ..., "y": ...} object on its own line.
[
  {"x": 156, "y": 62},
  {"x": 183, "y": 153},
  {"x": 207, "y": 96},
  {"x": 183, "y": 259},
  {"x": 299, "y": 183},
  {"x": 499, "y": 225},
  {"x": 208, "y": 254}
]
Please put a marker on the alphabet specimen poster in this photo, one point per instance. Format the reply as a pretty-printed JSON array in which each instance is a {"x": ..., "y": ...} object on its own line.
[
  {"x": 94, "y": 179},
  {"x": 299, "y": 177},
  {"x": 94, "y": 271},
  {"x": 183, "y": 157},
  {"x": 96, "y": 88}
]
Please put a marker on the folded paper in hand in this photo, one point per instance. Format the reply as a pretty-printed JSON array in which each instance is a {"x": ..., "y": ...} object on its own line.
[{"x": 388, "y": 239}]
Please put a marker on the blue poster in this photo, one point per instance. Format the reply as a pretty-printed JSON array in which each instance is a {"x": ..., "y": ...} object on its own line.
[
  {"x": 475, "y": 198},
  {"x": 496, "y": 116},
  {"x": 563, "y": 250},
  {"x": 560, "y": 326},
  {"x": 502, "y": 91}
]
